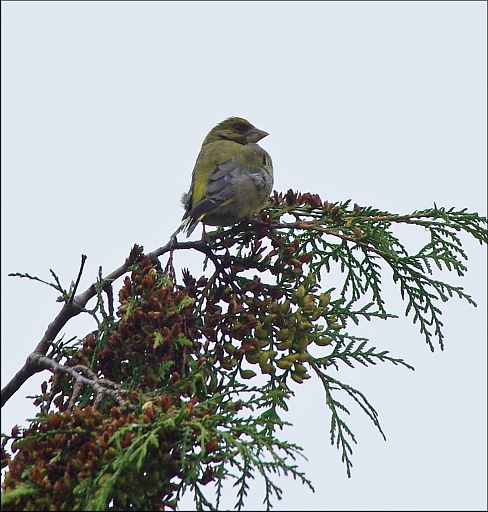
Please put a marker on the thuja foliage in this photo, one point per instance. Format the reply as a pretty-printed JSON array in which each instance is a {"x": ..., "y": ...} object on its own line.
[{"x": 204, "y": 367}]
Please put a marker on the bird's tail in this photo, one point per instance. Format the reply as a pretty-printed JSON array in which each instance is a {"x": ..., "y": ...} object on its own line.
[{"x": 188, "y": 224}]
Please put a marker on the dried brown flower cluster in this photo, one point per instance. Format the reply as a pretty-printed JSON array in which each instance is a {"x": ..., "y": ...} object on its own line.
[{"x": 150, "y": 350}]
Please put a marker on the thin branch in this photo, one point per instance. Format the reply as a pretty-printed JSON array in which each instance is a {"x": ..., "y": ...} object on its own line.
[
  {"x": 73, "y": 307},
  {"x": 311, "y": 226},
  {"x": 82, "y": 266},
  {"x": 100, "y": 386}
]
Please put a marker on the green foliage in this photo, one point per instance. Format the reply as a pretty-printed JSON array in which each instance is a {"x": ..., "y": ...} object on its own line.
[{"x": 207, "y": 366}]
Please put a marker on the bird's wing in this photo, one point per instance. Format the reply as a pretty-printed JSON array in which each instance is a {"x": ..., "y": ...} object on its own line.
[{"x": 250, "y": 163}]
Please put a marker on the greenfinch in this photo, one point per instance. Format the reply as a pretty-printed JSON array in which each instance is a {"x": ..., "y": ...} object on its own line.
[{"x": 232, "y": 178}]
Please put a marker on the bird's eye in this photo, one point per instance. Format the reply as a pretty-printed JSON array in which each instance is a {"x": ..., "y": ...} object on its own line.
[{"x": 240, "y": 127}]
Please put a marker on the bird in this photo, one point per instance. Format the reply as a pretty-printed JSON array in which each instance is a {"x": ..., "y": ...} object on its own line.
[{"x": 232, "y": 178}]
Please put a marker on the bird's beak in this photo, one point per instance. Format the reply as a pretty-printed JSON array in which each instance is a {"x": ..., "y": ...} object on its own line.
[{"x": 255, "y": 135}]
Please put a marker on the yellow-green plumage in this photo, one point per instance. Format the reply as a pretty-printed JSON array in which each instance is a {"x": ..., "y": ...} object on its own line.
[{"x": 232, "y": 177}]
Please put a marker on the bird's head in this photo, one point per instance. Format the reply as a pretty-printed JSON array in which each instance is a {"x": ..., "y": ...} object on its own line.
[{"x": 235, "y": 129}]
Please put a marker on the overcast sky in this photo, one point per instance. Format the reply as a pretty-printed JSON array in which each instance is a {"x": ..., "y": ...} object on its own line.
[{"x": 104, "y": 108}]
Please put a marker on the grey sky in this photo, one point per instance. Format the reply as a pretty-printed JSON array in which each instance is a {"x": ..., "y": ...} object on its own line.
[{"x": 104, "y": 108}]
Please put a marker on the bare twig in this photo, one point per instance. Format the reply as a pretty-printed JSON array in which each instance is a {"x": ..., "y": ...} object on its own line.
[
  {"x": 82, "y": 266},
  {"x": 101, "y": 387}
]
